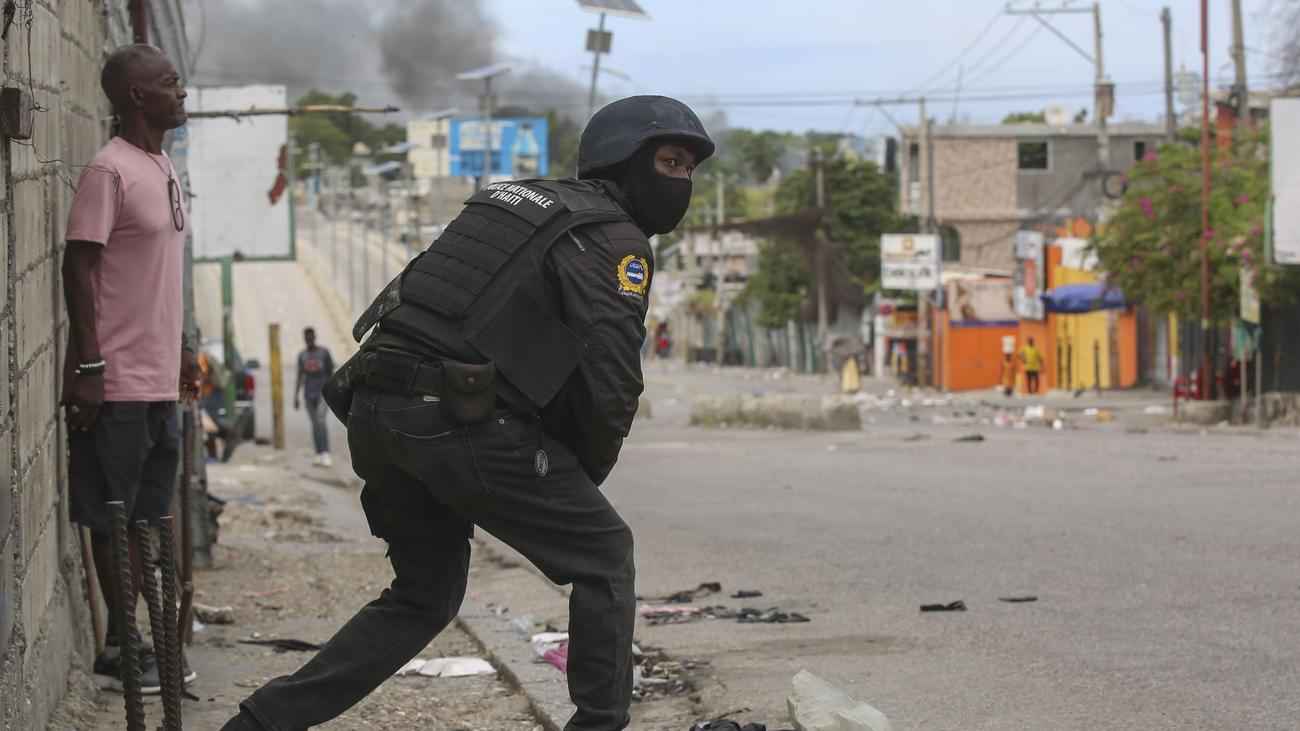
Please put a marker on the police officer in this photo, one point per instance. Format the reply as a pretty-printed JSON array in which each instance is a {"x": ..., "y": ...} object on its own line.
[{"x": 500, "y": 376}]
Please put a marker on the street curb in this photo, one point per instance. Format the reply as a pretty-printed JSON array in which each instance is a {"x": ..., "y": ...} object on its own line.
[{"x": 546, "y": 689}]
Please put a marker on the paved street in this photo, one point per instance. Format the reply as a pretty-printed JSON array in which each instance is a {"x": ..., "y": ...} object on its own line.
[
  {"x": 1164, "y": 563},
  {"x": 1164, "y": 566}
]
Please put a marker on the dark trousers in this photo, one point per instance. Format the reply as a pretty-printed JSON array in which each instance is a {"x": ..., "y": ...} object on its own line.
[
  {"x": 1031, "y": 381},
  {"x": 426, "y": 483}
]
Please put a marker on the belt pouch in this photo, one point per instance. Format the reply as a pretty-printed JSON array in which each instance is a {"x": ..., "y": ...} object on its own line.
[{"x": 468, "y": 393}]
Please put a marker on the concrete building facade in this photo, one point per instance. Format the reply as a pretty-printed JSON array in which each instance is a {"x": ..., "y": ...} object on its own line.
[
  {"x": 991, "y": 180},
  {"x": 52, "y": 53}
]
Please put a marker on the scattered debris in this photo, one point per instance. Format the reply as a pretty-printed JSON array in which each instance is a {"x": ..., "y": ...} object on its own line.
[
  {"x": 957, "y": 606},
  {"x": 746, "y": 594},
  {"x": 657, "y": 675},
  {"x": 559, "y": 657},
  {"x": 447, "y": 667},
  {"x": 676, "y": 614},
  {"x": 213, "y": 615},
  {"x": 970, "y": 438},
  {"x": 816, "y": 705},
  {"x": 687, "y": 595},
  {"x": 723, "y": 724},
  {"x": 1017, "y": 599},
  {"x": 916, "y": 437},
  {"x": 283, "y": 644}
]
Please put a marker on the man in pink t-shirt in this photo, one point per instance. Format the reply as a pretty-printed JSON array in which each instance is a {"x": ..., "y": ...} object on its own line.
[{"x": 126, "y": 365}]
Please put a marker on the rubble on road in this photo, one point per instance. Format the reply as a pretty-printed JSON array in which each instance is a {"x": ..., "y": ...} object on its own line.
[
  {"x": 447, "y": 667},
  {"x": 816, "y": 705},
  {"x": 680, "y": 614}
]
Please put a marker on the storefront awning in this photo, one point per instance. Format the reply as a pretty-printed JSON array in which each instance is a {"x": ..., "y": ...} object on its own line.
[{"x": 1077, "y": 298}]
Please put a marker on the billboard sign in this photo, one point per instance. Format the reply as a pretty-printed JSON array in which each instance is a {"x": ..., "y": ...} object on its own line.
[
  {"x": 981, "y": 302},
  {"x": 233, "y": 170},
  {"x": 1284, "y": 169},
  {"x": 909, "y": 261},
  {"x": 519, "y": 148},
  {"x": 1029, "y": 275}
]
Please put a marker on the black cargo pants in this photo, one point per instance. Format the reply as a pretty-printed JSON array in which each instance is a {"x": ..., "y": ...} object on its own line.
[{"x": 426, "y": 483}]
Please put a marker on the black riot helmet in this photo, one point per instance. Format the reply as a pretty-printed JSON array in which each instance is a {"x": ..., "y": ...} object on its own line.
[{"x": 619, "y": 129}]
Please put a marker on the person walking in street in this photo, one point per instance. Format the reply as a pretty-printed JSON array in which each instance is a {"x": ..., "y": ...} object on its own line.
[
  {"x": 315, "y": 366},
  {"x": 127, "y": 364},
  {"x": 1031, "y": 358},
  {"x": 501, "y": 377}
]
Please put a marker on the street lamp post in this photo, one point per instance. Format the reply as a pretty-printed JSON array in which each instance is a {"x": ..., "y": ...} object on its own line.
[{"x": 486, "y": 104}]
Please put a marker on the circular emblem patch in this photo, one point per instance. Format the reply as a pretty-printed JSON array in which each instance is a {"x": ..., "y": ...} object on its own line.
[
  {"x": 541, "y": 463},
  {"x": 633, "y": 275}
]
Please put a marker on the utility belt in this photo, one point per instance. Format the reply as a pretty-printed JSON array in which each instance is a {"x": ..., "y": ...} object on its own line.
[{"x": 466, "y": 391}]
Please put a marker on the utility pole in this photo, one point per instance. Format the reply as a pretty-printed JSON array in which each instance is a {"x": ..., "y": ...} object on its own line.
[
  {"x": 352, "y": 268},
  {"x": 819, "y": 252},
  {"x": 720, "y": 323},
  {"x": 1104, "y": 91},
  {"x": 333, "y": 221},
  {"x": 595, "y": 66},
  {"x": 1239, "y": 61},
  {"x": 1105, "y": 95},
  {"x": 313, "y": 157},
  {"x": 927, "y": 227},
  {"x": 1171, "y": 123},
  {"x": 1205, "y": 200}
]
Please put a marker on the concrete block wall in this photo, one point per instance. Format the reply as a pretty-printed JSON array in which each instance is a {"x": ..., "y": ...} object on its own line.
[{"x": 54, "y": 51}]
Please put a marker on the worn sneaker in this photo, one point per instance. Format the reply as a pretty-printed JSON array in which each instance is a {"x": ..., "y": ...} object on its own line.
[
  {"x": 107, "y": 670},
  {"x": 325, "y": 460},
  {"x": 187, "y": 673}
]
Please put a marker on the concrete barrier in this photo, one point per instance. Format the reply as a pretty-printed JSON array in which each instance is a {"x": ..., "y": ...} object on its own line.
[
  {"x": 1204, "y": 412},
  {"x": 783, "y": 411}
]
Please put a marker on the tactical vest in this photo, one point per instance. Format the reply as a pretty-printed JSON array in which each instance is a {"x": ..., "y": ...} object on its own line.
[{"x": 482, "y": 282}]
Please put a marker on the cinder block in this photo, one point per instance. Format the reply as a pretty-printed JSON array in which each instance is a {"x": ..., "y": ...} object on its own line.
[
  {"x": 35, "y": 409},
  {"x": 35, "y": 503},
  {"x": 41, "y": 571},
  {"x": 5, "y": 406},
  {"x": 9, "y": 584},
  {"x": 35, "y": 309}
]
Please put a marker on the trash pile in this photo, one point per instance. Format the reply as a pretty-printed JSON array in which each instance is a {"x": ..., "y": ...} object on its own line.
[
  {"x": 677, "y": 608},
  {"x": 680, "y": 614},
  {"x": 657, "y": 676}
]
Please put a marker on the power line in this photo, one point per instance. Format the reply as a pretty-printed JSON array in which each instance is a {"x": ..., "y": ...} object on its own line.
[{"x": 962, "y": 54}]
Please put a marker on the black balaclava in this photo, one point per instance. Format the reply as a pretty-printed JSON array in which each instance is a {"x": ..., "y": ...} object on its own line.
[{"x": 658, "y": 202}]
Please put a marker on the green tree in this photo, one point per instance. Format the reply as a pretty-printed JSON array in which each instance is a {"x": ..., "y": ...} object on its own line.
[
  {"x": 781, "y": 283},
  {"x": 759, "y": 153},
  {"x": 1023, "y": 117},
  {"x": 864, "y": 204},
  {"x": 1151, "y": 247}
]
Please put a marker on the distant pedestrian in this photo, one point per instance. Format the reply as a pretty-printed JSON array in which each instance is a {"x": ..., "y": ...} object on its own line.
[
  {"x": 315, "y": 366},
  {"x": 1032, "y": 360},
  {"x": 663, "y": 341},
  {"x": 1008, "y": 378},
  {"x": 127, "y": 364}
]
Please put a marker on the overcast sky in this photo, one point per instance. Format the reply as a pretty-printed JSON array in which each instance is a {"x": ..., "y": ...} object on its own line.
[{"x": 796, "y": 65}]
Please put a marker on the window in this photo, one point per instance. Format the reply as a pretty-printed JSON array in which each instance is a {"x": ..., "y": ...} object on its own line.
[
  {"x": 1139, "y": 149},
  {"x": 1032, "y": 156}
]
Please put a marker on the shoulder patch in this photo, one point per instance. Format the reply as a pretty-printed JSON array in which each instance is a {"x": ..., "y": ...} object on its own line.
[{"x": 633, "y": 275}]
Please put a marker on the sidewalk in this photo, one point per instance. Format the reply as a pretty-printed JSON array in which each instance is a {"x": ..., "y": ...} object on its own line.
[{"x": 295, "y": 560}]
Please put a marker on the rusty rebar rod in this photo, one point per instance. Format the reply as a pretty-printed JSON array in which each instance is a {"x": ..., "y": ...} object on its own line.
[
  {"x": 174, "y": 685},
  {"x": 149, "y": 587},
  {"x": 124, "y": 610},
  {"x": 188, "y": 443}
]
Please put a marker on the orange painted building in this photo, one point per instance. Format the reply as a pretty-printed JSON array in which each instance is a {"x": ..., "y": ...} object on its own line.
[{"x": 1079, "y": 349}]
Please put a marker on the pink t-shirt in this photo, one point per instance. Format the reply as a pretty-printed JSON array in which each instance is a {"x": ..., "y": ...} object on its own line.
[{"x": 137, "y": 284}]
